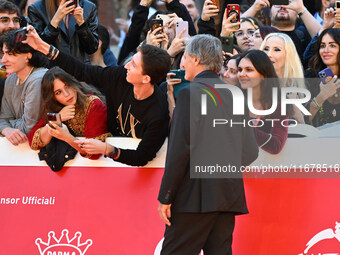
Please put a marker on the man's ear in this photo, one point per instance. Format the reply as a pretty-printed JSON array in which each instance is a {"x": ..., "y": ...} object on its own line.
[
  {"x": 28, "y": 56},
  {"x": 146, "y": 79},
  {"x": 99, "y": 43},
  {"x": 196, "y": 61}
]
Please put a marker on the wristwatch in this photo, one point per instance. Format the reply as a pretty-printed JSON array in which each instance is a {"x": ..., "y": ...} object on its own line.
[
  {"x": 302, "y": 11},
  {"x": 113, "y": 154}
]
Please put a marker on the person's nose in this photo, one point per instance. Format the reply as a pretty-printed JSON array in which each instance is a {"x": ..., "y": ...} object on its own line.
[
  {"x": 241, "y": 73},
  {"x": 11, "y": 24},
  {"x": 66, "y": 92},
  {"x": 4, "y": 58},
  {"x": 127, "y": 65},
  {"x": 226, "y": 74}
]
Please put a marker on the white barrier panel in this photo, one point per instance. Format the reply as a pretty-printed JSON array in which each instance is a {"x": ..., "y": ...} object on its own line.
[{"x": 103, "y": 207}]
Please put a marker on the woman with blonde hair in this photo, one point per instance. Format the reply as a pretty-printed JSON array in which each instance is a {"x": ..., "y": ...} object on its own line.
[{"x": 282, "y": 52}]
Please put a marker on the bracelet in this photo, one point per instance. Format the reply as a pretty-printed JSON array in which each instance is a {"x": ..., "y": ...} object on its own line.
[
  {"x": 49, "y": 54},
  {"x": 315, "y": 104},
  {"x": 300, "y": 12},
  {"x": 52, "y": 53}
]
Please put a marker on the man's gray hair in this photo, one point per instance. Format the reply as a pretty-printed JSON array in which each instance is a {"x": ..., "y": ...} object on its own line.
[{"x": 208, "y": 49}]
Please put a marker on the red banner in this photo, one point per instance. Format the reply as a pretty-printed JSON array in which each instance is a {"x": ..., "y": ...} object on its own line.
[{"x": 113, "y": 210}]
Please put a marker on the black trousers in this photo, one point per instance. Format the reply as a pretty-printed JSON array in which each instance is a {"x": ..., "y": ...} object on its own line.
[{"x": 189, "y": 233}]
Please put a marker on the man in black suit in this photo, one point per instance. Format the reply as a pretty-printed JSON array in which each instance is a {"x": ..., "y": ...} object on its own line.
[{"x": 199, "y": 206}]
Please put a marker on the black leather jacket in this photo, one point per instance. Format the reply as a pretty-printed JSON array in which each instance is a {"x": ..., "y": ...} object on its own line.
[{"x": 79, "y": 41}]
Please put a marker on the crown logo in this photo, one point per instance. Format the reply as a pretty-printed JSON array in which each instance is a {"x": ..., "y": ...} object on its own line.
[{"x": 64, "y": 245}]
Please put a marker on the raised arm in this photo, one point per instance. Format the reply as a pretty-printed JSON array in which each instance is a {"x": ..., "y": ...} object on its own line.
[
  {"x": 100, "y": 77},
  {"x": 138, "y": 20},
  {"x": 310, "y": 22}
]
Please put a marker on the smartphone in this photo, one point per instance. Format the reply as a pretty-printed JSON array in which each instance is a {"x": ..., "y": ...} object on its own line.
[
  {"x": 337, "y": 5},
  {"x": 163, "y": 17},
  {"x": 20, "y": 35},
  {"x": 279, "y": 2},
  {"x": 234, "y": 9},
  {"x": 227, "y": 43},
  {"x": 217, "y": 3},
  {"x": 55, "y": 118},
  {"x": 74, "y": 2},
  {"x": 326, "y": 75},
  {"x": 156, "y": 23},
  {"x": 180, "y": 74},
  {"x": 180, "y": 25}
]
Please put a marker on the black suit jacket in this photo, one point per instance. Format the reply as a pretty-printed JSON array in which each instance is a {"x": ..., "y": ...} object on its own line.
[{"x": 193, "y": 142}]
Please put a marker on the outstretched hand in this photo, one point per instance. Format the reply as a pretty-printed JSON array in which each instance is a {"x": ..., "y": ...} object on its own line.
[{"x": 34, "y": 40}]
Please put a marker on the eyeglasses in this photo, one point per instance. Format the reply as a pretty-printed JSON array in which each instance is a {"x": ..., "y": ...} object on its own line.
[
  {"x": 6, "y": 20},
  {"x": 241, "y": 33}
]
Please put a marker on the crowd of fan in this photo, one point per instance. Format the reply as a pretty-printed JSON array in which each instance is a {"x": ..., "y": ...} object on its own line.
[{"x": 65, "y": 66}]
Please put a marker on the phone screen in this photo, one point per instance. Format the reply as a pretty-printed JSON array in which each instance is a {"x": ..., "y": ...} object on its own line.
[
  {"x": 234, "y": 9},
  {"x": 55, "y": 118},
  {"x": 156, "y": 23},
  {"x": 20, "y": 35}
]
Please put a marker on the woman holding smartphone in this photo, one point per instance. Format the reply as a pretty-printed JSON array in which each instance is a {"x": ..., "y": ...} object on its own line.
[
  {"x": 256, "y": 71},
  {"x": 69, "y": 25},
  {"x": 82, "y": 113},
  {"x": 325, "y": 103}
]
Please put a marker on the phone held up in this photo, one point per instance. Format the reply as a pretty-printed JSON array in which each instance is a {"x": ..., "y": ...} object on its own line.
[
  {"x": 234, "y": 9},
  {"x": 74, "y": 2},
  {"x": 227, "y": 43},
  {"x": 180, "y": 26},
  {"x": 279, "y": 2},
  {"x": 20, "y": 35},
  {"x": 326, "y": 75},
  {"x": 179, "y": 74},
  {"x": 217, "y": 3},
  {"x": 156, "y": 23},
  {"x": 55, "y": 118}
]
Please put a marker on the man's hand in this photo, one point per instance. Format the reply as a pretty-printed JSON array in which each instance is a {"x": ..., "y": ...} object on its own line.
[
  {"x": 165, "y": 213},
  {"x": 259, "y": 4},
  {"x": 34, "y": 40},
  {"x": 15, "y": 136},
  {"x": 295, "y": 5},
  {"x": 94, "y": 146}
]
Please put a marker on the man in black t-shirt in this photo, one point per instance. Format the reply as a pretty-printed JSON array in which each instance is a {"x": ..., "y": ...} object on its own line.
[{"x": 136, "y": 107}]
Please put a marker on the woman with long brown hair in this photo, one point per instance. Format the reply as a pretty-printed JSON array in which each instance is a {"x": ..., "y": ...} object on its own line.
[{"x": 82, "y": 113}]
